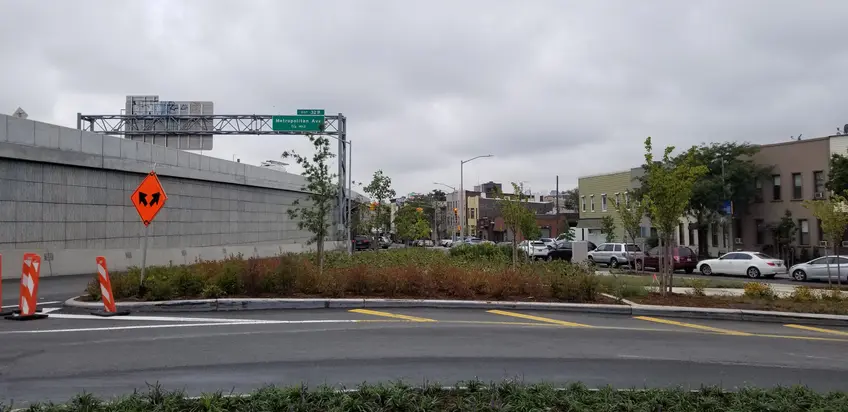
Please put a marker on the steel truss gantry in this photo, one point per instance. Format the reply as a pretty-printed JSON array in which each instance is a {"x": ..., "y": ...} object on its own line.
[{"x": 223, "y": 124}]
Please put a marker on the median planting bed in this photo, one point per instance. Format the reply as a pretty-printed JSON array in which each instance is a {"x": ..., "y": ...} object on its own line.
[
  {"x": 473, "y": 396},
  {"x": 482, "y": 272},
  {"x": 405, "y": 273}
]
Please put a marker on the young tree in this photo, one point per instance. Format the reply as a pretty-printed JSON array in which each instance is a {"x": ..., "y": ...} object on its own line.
[
  {"x": 630, "y": 215},
  {"x": 411, "y": 223},
  {"x": 731, "y": 175},
  {"x": 668, "y": 188},
  {"x": 608, "y": 228},
  {"x": 834, "y": 221},
  {"x": 783, "y": 232},
  {"x": 837, "y": 176},
  {"x": 380, "y": 190},
  {"x": 570, "y": 199},
  {"x": 517, "y": 216},
  {"x": 322, "y": 191}
]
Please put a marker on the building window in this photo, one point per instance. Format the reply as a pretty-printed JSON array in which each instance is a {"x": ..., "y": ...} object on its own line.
[
  {"x": 804, "y": 232},
  {"x": 592, "y": 203},
  {"x": 758, "y": 191},
  {"x": 818, "y": 182},
  {"x": 761, "y": 231},
  {"x": 692, "y": 236},
  {"x": 680, "y": 239},
  {"x": 583, "y": 203},
  {"x": 714, "y": 234},
  {"x": 797, "y": 186},
  {"x": 617, "y": 199},
  {"x": 472, "y": 213},
  {"x": 775, "y": 186},
  {"x": 627, "y": 200},
  {"x": 603, "y": 202}
]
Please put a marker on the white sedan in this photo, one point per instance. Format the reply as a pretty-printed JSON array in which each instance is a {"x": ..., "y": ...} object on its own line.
[{"x": 751, "y": 264}]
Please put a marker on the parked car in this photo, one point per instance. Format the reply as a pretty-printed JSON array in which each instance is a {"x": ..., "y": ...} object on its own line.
[
  {"x": 361, "y": 243},
  {"x": 684, "y": 259},
  {"x": 615, "y": 254},
  {"x": 445, "y": 242},
  {"x": 565, "y": 250},
  {"x": 817, "y": 269},
  {"x": 549, "y": 241},
  {"x": 751, "y": 264},
  {"x": 535, "y": 249},
  {"x": 385, "y": 242}
]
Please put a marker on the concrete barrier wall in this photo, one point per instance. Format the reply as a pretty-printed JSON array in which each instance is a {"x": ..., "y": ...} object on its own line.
[{"x": 65, "y": 194}]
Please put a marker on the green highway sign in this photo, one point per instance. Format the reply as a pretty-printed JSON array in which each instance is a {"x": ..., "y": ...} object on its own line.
[
  {"x": 310, "y": 112},
  {"x": 297, "y": 123}
]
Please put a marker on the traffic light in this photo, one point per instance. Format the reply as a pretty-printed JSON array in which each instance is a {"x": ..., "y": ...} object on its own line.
[
  {"x": 455, "y": 212},
  {"x": 373, "y": 206},
  {"x": 419, "y": 210}
]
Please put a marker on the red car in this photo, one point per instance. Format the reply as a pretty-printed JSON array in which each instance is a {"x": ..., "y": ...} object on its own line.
[{"x": 684, "y": 259}]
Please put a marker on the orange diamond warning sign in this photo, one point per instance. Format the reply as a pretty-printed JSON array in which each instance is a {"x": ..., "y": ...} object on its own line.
[{"x": 149, "y": 198}]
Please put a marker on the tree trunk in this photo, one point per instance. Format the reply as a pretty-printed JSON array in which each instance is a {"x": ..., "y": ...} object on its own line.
[
  {"x": 320, "y": 249},
  {"x": 670, "y": 265},
  {"x": 703, "y": 235},
  {"x": 514, "y": 251},
  {"x": 661, "y": 268}
]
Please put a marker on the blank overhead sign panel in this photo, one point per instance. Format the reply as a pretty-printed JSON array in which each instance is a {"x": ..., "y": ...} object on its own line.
[{"x": 151, "y": 105}]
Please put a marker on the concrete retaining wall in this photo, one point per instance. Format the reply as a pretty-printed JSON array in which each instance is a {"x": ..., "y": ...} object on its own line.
[{"x": 65, "y": 194}]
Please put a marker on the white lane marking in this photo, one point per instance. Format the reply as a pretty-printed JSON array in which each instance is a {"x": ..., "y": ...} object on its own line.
[
  {"x": 154, "y": 318},
  {"x": 39, "y": 303},
  {"x": 48, "y": 310},
  {"x": 178, "y": 325}
]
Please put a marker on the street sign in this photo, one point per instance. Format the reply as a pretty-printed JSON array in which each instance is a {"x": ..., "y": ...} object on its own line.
[
  {"x": 149, "y": 198},
  {"x": 297, "y": 123},
  {"x": 310, "y": 112}
]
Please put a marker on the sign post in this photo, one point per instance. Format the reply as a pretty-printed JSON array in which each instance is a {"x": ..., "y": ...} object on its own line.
[{"x": 149, "y": 198}]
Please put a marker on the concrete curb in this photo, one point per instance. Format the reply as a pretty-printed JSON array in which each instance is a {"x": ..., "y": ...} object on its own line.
[{"x": 249, "y": 304}]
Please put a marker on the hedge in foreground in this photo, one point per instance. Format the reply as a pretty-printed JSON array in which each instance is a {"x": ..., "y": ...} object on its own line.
[
  {"x": 406, "y": 273},
  {"x": 473, "y": 397}
]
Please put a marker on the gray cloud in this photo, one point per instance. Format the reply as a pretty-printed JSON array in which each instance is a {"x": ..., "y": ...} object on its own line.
[{"x": 550, "y": 88}]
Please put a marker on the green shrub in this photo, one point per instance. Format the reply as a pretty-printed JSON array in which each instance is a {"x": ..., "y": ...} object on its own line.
[
  {"x": 758, "y": 290},
  {"x": 804, "y": 294},
  {"x": 475, "y": 396},
  {"x": 697, "y": 286},
  {"x": 483, "y": 251}
]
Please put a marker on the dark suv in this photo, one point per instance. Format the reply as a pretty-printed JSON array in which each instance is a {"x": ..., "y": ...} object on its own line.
[
  {"x": 684, "y": 259},
  {"x": 361, "y": 243}
]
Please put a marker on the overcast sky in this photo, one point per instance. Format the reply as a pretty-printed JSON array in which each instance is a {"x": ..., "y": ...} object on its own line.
[{"x": 566, "y": 88}]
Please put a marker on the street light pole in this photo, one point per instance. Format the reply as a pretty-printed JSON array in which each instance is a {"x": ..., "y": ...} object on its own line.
[{"x": 464, "y": 221}]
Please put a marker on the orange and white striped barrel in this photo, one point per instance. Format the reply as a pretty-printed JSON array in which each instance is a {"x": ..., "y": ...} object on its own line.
[
  {"x": 29, "y": 284},
  {"x": 105, "y": 285}
]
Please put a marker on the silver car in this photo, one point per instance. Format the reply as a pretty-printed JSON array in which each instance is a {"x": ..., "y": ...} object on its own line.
[
  {"x": 817, "y": 268},
  {"x": 615, "y": 254}
]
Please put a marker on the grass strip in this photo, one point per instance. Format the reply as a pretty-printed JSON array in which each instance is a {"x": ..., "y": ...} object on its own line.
[{"x": 471, "y": 396}]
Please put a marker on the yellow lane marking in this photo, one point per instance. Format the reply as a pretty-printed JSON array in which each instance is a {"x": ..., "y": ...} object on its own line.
[
  {"x": 821, "y": 330},
  {"x": 391, "y": 315},
  {"x": 693, "y": 326},
  {"x": 538, "y": 318}
]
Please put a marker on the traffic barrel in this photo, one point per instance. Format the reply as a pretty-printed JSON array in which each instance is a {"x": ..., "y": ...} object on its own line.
[
  {"x": 109, "y": 306},
  {"x": 28, "y": 298}
]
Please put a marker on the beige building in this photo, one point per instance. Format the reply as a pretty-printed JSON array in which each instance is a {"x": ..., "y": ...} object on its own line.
[{"x": 597, "y": 194}]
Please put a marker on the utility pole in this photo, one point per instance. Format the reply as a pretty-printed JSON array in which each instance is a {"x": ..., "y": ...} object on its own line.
[{"x": 559, "y": 224}]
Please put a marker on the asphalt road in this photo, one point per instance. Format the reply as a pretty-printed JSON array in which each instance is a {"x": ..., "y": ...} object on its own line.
[{"x": 55, "y": 358}]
